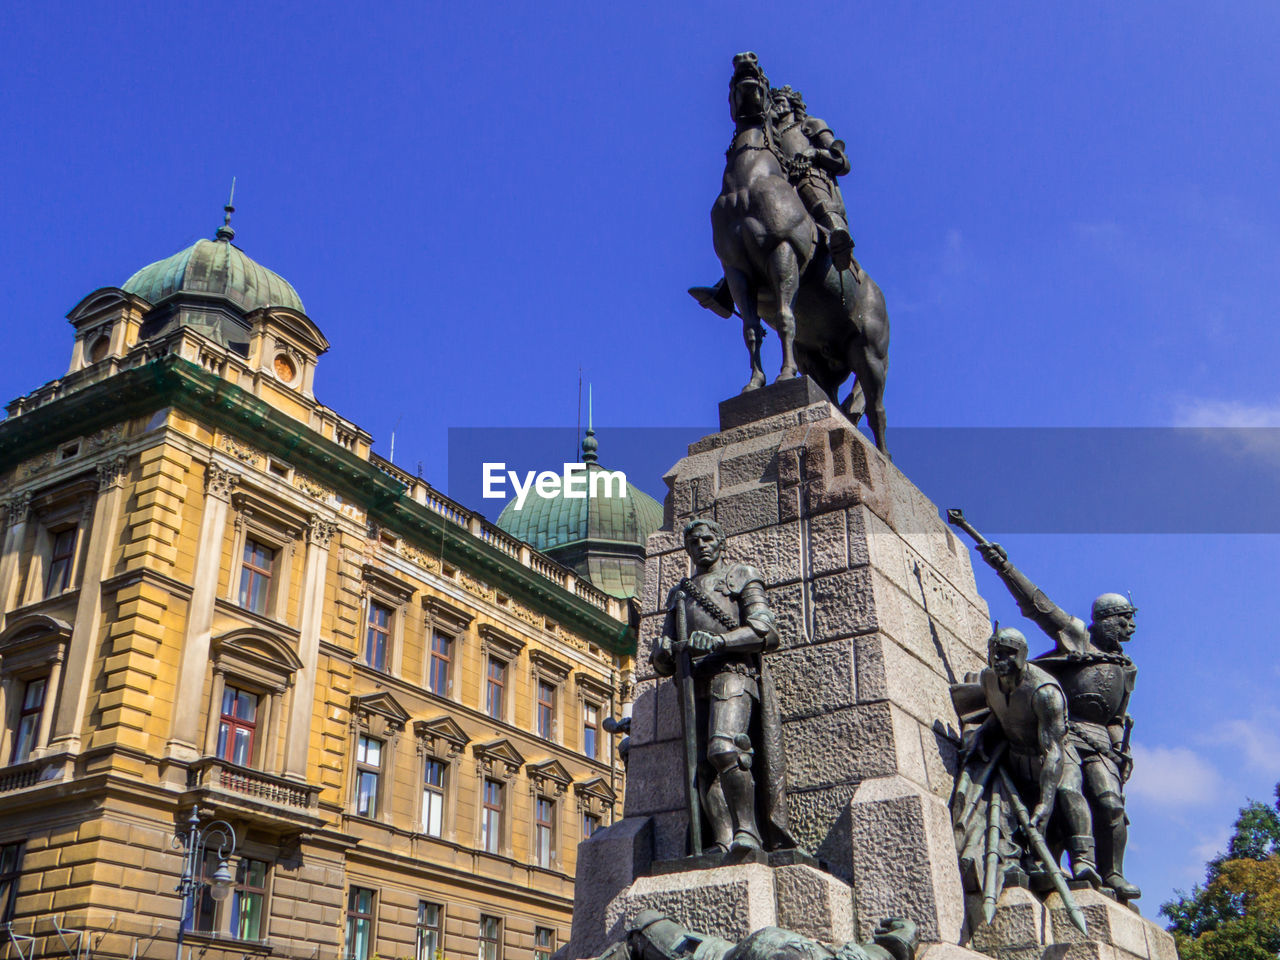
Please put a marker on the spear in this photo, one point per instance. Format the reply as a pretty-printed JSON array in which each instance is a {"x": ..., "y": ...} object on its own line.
[
  {"x": 1042, "y": 852},
  {"x": 981, "y": 782},
  {"x": 989, "y": 892}
]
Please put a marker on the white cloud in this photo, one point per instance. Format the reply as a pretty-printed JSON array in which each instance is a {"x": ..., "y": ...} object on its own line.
[
  {"x": 1210, "y": 845},
  {"x": 1255, "y": 738},
  {"x": 1226, "y": 413},
  {"x": 1172, "y": 777}
]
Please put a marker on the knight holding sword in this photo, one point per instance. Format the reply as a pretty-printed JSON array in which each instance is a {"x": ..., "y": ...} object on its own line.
[
  {"x": 1098, "y": 679},
  {"x": 718, "y": 628}
]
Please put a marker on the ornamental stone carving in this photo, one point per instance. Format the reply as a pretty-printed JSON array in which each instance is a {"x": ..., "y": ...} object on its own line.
[{"x": 220, "y": 482}]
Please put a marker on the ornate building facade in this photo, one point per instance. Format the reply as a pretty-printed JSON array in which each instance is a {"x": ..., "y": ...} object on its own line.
[{"x": 214, "y": 596}]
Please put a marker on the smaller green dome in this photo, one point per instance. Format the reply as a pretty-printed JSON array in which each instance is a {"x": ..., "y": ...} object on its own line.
[
  {"x": 218, "y": 267},
  {"x": 603, "y": 538}
]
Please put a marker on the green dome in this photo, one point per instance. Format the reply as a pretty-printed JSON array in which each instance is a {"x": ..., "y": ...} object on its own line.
[
  {"x": 602, "y": 538},
  {"x": 218, "y": 267}
]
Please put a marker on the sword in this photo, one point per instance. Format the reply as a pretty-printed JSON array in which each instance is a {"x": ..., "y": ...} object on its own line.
[
  {"x": 1042, "y": 853},
  {"x": 689, "y": 719}
]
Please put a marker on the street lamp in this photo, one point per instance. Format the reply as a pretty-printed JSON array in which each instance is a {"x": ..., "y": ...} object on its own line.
[{"x": 218, "y": 836}]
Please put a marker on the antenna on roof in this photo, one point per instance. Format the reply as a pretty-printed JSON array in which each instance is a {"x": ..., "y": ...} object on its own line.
[
  {"x": 589, "y": 444},
  {"x": 225, "y": 232}
]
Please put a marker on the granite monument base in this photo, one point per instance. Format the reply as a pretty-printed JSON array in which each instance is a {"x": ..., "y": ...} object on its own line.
[{"x": 1027, "y": 928}]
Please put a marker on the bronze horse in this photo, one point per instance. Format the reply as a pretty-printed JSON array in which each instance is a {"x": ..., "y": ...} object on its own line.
[{"x": 831, "y": 323}]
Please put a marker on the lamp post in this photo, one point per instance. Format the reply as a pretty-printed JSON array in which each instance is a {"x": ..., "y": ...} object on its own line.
[{"x": 218, "y": 836}]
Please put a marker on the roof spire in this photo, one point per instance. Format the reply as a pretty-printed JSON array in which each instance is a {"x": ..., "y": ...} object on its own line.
[
  {"x": 589, "y": 444},
  {"x": 225, "y": 232}
]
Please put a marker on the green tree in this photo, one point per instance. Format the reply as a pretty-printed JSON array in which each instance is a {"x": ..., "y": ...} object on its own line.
[{"x": 1235, "y": 914}]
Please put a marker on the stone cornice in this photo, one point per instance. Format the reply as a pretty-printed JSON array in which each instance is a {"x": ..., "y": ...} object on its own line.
[{"x": 172, "y": 381}]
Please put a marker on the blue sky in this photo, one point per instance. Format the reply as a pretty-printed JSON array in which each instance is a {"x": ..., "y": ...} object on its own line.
[{"x": 1072, "y": 212}]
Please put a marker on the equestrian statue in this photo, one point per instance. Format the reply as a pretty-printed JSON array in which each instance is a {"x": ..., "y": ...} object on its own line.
[{"x": 781, "y": 232}]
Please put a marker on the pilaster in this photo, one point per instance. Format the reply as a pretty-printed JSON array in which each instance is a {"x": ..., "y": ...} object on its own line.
[
  {"x": 320, "y": 532},
  {"x": 81, "y": 655},
  {"x": 219, "y": 483}
]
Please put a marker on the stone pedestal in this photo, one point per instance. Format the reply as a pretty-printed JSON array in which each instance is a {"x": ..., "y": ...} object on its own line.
[
  {"x": 878, "y": 614},
  {"x": 1024, "y": 928}
]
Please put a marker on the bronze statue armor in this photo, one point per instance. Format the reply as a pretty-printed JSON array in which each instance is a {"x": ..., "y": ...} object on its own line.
[
  {"x": 720, "y": 617},
  {"x": 656, "y": 936},
  {"x": 1098, "y": 679},
  {"x": 813, "y": 159},
  {"x": 1016, "y": 714}
]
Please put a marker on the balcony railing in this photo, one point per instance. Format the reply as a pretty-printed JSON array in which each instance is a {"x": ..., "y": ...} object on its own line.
[
  {"x": 498, "y": 538},
  {"x": 19, "y": 776},
  {"x": 218, "y": 774}
]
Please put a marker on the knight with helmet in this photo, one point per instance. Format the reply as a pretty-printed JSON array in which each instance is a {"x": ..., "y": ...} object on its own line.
[{"x": 1098, "y": 679}]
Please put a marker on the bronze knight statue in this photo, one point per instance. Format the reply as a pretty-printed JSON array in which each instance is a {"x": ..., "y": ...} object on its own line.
[
  {"x": 717, "y": 628},
  {"x": 1097, "y": 678},
  {"x": 655, "y": 936},
  {"x": 781, "y": 233}
]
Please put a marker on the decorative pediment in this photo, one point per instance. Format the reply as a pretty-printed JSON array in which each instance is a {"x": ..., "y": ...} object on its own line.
[
  {"x": 548, "y": 776},
  {"x": 264, "y": 654},
  {"x": 497, "y": 758},
  {"x": 297, "y": 326},
  {"x": 447, "y": 613},
  {"x": 504, "y": 644},
  {"x": 33, "y": 639},
  {"x": 441, "y": 737},
  {"x": 32, "y": 627},
  {"x": 386, "y": 582},
  {"x": 593, "y": 686},
  {"x": 250, "y": 501},
  {"x": 547, "y": 665},
  {"x": 380, "y": 704},
  {"x": 101, "y": 300},
  {"x": 595, "y": 794}
]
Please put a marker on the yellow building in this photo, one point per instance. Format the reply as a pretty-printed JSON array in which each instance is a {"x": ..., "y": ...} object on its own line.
[{"x": 215, "y": 596}]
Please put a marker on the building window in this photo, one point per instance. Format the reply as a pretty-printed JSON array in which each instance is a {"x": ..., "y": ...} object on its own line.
[
  {"x": 255, "y": 576},
  {"x": 368, "y": 771},
  {"x": 590, "y": 824},
  {"x": 495, "y": 686},
  {"x": 433, "y": 798},
  {"x": 546, "y": 709},
  {"x": 64, "y": 549},
  {"x": 590, "y": 729},
  {"x": 490, "y": 938},
  {"x": 248, "y": 897},
  {"x": 377, "y": 636},
  {"x": 10, "y": 871},
  {"x": 237, "y": 725},
  {"x": 544, "y": 832},
  {"x": 491, "y": 817},
  {"x": 360, "y": 924},
  {"x": 438, "y": 674},
  {"x": 544, "y": 943},
  {"x": 430, "y": 931},
  {"x": 24, "y": 736}
]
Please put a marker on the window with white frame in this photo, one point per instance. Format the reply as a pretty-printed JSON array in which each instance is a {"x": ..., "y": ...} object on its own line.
[
  {"x": 544, "y": 832},
  {"x": 491, "y": 816},
  {"x": 433, "y": 797},
  {"x": 368, "y": 775}
]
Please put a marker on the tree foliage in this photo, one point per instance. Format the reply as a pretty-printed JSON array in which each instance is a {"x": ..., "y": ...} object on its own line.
[{"x": 1235, "y": 914}]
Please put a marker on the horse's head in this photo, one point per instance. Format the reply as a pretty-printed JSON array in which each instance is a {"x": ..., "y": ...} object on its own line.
[{"x": 748, "y": 90}]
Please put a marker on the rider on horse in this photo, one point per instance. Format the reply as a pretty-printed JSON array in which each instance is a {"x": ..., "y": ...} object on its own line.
[
  {"x": 816, "y": 159},
  {"x": 812, "y": 158}
]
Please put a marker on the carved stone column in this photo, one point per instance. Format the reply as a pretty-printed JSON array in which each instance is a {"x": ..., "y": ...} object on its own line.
[
  {"x": 183, "y": 738},
  {"x": 19, "y": 513},
  {"x": 320, "y": 533},
  {"x": 69, "y": 718}
]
